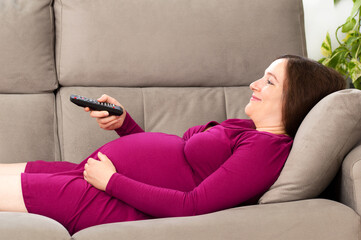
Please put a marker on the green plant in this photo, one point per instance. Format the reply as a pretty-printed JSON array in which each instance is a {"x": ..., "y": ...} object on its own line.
[{"x": 346, "y": 58}]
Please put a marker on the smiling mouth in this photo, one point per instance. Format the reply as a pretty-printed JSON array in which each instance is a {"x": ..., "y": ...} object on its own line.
[{"x": 254, "y": 98}]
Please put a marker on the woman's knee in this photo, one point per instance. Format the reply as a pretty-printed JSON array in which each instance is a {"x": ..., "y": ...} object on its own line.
[
  {"x": 12, "y": 168},
  {"x": 11, "y": 194}
]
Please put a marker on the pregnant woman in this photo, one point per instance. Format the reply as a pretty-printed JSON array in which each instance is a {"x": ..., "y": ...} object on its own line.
[{"x": 144, "y": 175}]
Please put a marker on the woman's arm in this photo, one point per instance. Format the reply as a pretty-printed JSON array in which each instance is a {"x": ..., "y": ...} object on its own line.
[
  {"x": 240, "y": 178},
  {"x": 129, "y": 126}
]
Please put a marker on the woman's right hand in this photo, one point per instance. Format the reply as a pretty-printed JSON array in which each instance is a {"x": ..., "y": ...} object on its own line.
[{"x": 102, "y": 117}]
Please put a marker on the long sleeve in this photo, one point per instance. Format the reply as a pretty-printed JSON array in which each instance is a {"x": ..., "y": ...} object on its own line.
[
  {"x": 245, "y": 175},
  {"x": 129, "y": 127},
  {"x": 197, "y": 129}
]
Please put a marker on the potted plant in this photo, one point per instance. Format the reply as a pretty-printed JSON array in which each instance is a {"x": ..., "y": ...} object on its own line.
[{"x": 346, "y": 58}]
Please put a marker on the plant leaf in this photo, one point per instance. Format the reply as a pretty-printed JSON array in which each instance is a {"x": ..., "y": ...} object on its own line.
[
  {"x": 322, "y": 60},
  {"x": 354, "y": 68},
  {"x": 349, "y": 25},
  {"x": 354, "y": 47},
  {"x": 342, "y": 67},
  {"x": 357, "y": 83},
  {"x": 350, "y": 40},
  {"x": 326, "y": 61},
  {"x": 326, "y": 48},
  {"x": 356, "y": 6},
  {"x": 352, "y": 33},
  {"x": 338, "y": 56}
]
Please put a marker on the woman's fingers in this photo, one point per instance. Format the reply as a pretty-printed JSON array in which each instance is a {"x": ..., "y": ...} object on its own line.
[
  {"x": 109, "y": 125},
  {"x": 90, "y": 161},
  {"x": 107, "y": 120},
  {"x": 85, "y": 175},
  {"x": 108, "y": 99},
  {"x": 99, "y": 114}
]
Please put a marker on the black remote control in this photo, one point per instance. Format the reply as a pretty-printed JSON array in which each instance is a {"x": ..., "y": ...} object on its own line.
[{"x": 95, "y": 105}]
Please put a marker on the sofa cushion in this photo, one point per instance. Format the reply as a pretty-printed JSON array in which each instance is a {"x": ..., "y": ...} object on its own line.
[
  {"x": 349, "y": 187},
  {"x": 316, "y": 219},
  {"x": 173, "y": 43},
  {"x": 330, "y": 130},
  {"x": 28, "y": 128},
  {"x": 16, "y": 225},
  {"x": 27, "y": 62}
]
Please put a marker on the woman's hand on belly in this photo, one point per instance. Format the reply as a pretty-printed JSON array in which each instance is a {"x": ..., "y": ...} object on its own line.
[{"x": 98, "y": 173}]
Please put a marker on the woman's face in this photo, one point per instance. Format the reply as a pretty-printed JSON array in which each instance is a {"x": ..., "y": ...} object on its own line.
[{"x": 265, "y": 105}]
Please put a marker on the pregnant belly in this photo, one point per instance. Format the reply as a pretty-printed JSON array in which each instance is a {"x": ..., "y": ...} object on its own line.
[{"x": 152, "y": 158}]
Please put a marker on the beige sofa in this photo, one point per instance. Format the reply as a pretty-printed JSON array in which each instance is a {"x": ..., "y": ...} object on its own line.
[{"x": 172, "y": 65}]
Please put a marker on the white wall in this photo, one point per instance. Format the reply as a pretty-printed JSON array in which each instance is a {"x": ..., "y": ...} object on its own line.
[{"x": 322, "y": 16}]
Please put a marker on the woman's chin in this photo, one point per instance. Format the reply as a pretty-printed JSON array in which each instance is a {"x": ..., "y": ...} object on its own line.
[{"x": 248, "y": 110}]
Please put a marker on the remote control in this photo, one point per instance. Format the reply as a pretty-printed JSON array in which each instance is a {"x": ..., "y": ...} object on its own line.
[{"x": 95, "y": 105}]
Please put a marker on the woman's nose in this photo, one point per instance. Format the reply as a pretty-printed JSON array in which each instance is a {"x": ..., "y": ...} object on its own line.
[{"x": 254, "y": 86}]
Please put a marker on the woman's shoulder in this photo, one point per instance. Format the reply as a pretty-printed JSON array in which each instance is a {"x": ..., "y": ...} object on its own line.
[
  {"x": 248, "y": 124},
  {"x": 238, "y": 123},
  {"x": 244, "y": 132}
]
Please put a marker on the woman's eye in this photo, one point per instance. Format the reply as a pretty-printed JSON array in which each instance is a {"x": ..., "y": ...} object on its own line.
[{"x": 269, "y": 82}]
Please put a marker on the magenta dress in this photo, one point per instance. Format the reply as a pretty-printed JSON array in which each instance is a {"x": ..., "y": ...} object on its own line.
[{"x": 160, "y": 175}]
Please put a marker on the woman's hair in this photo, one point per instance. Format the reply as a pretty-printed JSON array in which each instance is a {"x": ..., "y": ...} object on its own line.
[{"x": 307, "y": 82}]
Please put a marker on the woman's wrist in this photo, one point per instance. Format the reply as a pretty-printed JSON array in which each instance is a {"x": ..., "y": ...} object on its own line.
[{"x": 108, "y": 187}]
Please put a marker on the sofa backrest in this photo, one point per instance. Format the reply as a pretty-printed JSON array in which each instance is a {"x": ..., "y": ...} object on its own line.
[
  {"x": 28, "y": 128},
  {"x": 173, "y": 43},
  {"x": 27, "y": 47},
  {"x": 172, "y": 64}
]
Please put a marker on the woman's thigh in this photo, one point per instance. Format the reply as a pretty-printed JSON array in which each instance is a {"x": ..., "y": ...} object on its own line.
[
  {"x": 12, "y": 168},
  {"x": 11, "y": 196},
  {"x": 72, "y": 201}
]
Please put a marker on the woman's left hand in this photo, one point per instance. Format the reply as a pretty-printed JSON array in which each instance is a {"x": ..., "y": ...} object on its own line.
[{"x": 98, "y": 173}]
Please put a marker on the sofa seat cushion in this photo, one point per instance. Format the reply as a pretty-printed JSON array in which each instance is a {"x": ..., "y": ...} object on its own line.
[
  {"x": 308, "y": 219},
  {"x": 16, "y": 225}
]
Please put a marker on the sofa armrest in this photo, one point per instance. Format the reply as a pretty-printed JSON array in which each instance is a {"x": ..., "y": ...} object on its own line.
[
  {"x": 350, "y": 180},
  {"x": 306, "y": 219}
]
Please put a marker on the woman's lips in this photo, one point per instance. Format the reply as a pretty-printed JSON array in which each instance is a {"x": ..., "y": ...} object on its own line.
[{"x": 254, "y": 98}]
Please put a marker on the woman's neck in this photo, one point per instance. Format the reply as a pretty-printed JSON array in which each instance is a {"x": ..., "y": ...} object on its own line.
[{"x": 272, "y": 129}]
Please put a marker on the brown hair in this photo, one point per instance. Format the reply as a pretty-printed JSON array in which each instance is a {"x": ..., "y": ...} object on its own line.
[{"x": 307, "y": 82}]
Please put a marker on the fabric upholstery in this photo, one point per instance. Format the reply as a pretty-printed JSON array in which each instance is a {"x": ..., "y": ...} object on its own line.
[
  {"x": 139, "y": 51},
  {"x": 173, "y": 43},
  {"x": 30, "y": 227},
  {"x": 309, "y": 219},
  {"x": 28, "y": 128},
  {"x": 330, "y": 130},
  {"x": 350, "y": 180},
  {"x": 168, "y": 110},
  {"x": 80, "y": 134},
  {"x": 27, "y": 62}
]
